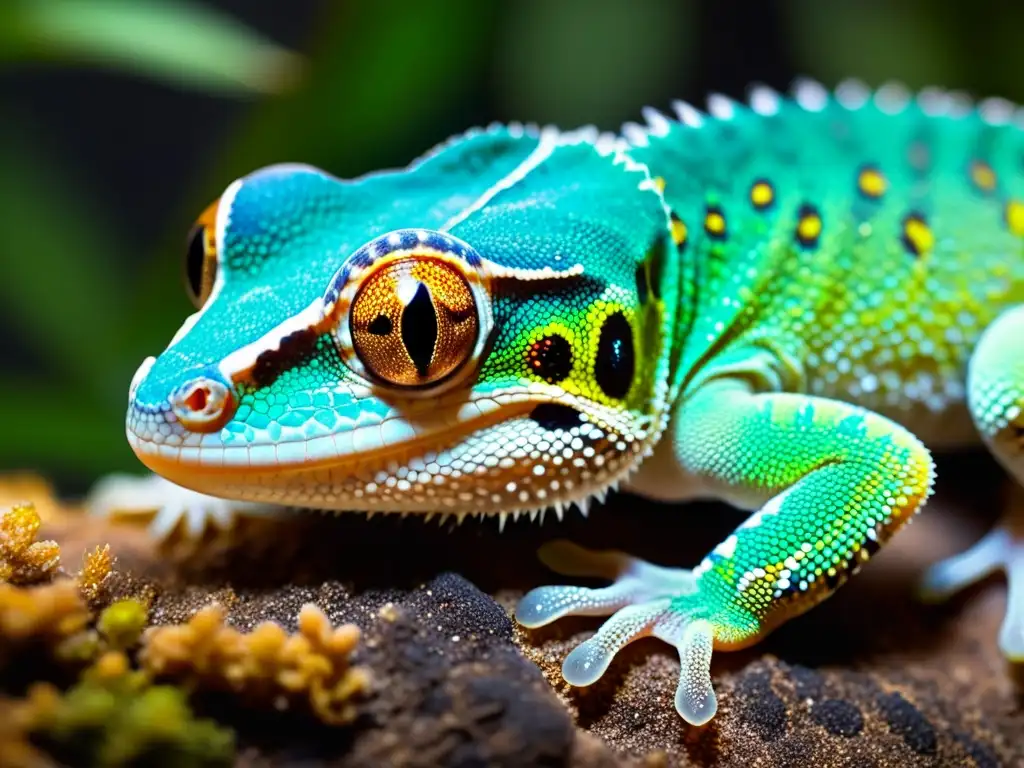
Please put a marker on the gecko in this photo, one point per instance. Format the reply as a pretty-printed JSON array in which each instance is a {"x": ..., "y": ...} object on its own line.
[{"x": 784, "y": 304}]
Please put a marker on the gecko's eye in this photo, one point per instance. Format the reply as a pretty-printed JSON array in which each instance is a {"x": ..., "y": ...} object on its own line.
[
  {"x": 411, "y": 309},
  {"x": 201, "y": 258},
  {"x": 414, "y": 321}
]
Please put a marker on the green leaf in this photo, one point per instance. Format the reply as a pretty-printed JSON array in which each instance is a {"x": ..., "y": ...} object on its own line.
[
  {"x": 172, "y": 40},
  {"x": 576, "y": 62},
  {"x": 52, "y": 428},
  {"x": 58, "y": 285}
]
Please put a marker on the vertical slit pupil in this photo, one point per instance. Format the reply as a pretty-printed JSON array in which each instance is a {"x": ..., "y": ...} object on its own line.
[{"x": 419, "y": 329}]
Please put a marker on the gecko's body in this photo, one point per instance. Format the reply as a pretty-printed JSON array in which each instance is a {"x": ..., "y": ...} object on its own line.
[{"x": 770, "y": 304}]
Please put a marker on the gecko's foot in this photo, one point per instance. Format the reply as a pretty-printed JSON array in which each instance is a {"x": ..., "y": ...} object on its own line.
[
  {"x": 1001, "y": 549},
  {"x": 168, "y": 506},
  {"x": 645, "y": 600}
]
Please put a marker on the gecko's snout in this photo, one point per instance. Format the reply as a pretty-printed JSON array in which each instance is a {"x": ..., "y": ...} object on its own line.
[{"x": 203, "y": 404}]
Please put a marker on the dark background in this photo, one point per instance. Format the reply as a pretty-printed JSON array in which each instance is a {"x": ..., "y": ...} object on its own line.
[{"x": 120, "y": 120}]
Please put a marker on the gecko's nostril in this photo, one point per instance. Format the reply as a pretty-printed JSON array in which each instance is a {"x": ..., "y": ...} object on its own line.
[
  {"x": 203, "y": 405},
  {"x": 198, "y": 399}
]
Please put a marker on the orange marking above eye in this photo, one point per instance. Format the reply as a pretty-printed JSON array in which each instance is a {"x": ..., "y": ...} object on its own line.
[{"x": 208, "y": 218}]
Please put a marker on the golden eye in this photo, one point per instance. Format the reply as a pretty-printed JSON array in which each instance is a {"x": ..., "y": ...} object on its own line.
[
  {"x": 414, "y": 321},
  {"x": 201, "y": 257}
]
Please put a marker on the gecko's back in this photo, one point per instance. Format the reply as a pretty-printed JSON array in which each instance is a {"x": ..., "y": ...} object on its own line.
[{"x": 868, "y": 240}]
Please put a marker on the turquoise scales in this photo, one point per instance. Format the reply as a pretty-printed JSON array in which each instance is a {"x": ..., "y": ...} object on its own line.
[{"x": 771, "y": 304}]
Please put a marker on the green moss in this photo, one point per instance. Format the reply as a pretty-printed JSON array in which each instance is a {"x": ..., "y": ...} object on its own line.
[
  {"x": 114, "y": 718},
  {"x": 121, "y": 623}
]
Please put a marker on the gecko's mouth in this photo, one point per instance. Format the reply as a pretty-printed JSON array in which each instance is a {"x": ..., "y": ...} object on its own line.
[{"x": 522, "y": 450}]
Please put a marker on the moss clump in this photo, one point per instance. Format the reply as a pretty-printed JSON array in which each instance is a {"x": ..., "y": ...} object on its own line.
[
  {"x": 267, "y": 665},
  {"x": 121, "y": 623},
  {"x": 97, "y": 566},
  {"x": 114, "y": 716},
  {"x": 49, "y": 613},
  {"x": 23, "y": 560}
]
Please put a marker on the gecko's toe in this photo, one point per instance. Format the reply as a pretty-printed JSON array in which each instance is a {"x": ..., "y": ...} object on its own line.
[
  {"x": 695, "y": 698},
  {"x": 589, "y": 660},
  {"x": 1002, "y": 549},
  {"x": 947, "y": 577},
  {"x": 646, "y": 600}
]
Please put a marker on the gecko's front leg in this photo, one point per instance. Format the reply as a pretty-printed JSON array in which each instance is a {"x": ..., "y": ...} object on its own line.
[{"x": 834, "y": 482}]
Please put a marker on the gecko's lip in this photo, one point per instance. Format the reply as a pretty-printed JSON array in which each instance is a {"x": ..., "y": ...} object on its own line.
[{"x": 165, "y": 447}]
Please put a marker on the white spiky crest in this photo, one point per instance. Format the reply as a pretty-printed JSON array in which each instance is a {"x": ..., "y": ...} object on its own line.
[
  {"x": 763, "y": 100},
  {"x": 721, "y": 107}
]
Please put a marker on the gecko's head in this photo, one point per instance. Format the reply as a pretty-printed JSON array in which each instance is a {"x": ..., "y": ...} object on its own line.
[{"x": 487, "y": 330}]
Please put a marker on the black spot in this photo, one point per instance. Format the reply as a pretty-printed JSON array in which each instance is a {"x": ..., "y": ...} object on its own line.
[
  {"x": 656, "y": 266},
  {"x": 807, "y": 682},
  {"x": 555, "y": 416},
  {"x": 550, "y": 358},
  {"x": 419, "y": 329},
  {"x": 362, "y": 260},
  {"x": 982, "y": 756},
  {"x": 293, "y": 349},
  {"x": 616, "y": 358},
  {"x": 833, "y": 580},
  {"x": 195, "y": 260},
  {"x": 641, "y": 283},
  {"x": 838, "y": 717},
  {"x": 381, "y": 326},
  {"x": 763, "y": 710},
  {"x": 871, "y": 546},
  {"x": 906, "y": 720}
]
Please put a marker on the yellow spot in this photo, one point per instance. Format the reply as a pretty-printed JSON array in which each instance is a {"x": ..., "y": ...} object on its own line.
[
  {"x": 983, "y": 176},
  {"x": 679, "y": 231},
  {"x": 659, "y": 183},
  {"x": 917, "y": 235},
  {"x": 808, "y": 228},
  {"x": 714, "y": 223},
  {"x": 762, "y": 194},
  {"x": 1015, "y": 217},
  {"x": 872, "y": 183}
]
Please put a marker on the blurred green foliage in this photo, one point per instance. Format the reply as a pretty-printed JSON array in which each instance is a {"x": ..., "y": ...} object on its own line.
[{"x": 374, "y": 76}]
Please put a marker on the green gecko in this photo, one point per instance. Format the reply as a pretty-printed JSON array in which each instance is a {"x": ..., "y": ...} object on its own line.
[{"x": 775, "y": 304}]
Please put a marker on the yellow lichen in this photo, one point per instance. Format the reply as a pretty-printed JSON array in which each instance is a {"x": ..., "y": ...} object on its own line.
[
  {"x": 97, "y": 566},
  {"x": 114, "y": 716},
  {"x": 268, "y": 665},
  {"x": 23, "y": 560}
]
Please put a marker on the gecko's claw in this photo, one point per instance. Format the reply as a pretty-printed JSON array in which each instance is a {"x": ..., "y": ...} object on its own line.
[
  {"x": 1000, "y": 549},
  {"x": 644, "y": 600}
]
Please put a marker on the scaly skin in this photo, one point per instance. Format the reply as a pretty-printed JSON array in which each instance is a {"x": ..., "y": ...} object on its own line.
[{"x": 772, "y": 305}]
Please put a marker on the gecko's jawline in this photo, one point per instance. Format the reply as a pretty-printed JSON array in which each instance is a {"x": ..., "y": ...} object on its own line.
[{"x": 171, "y": 461}]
